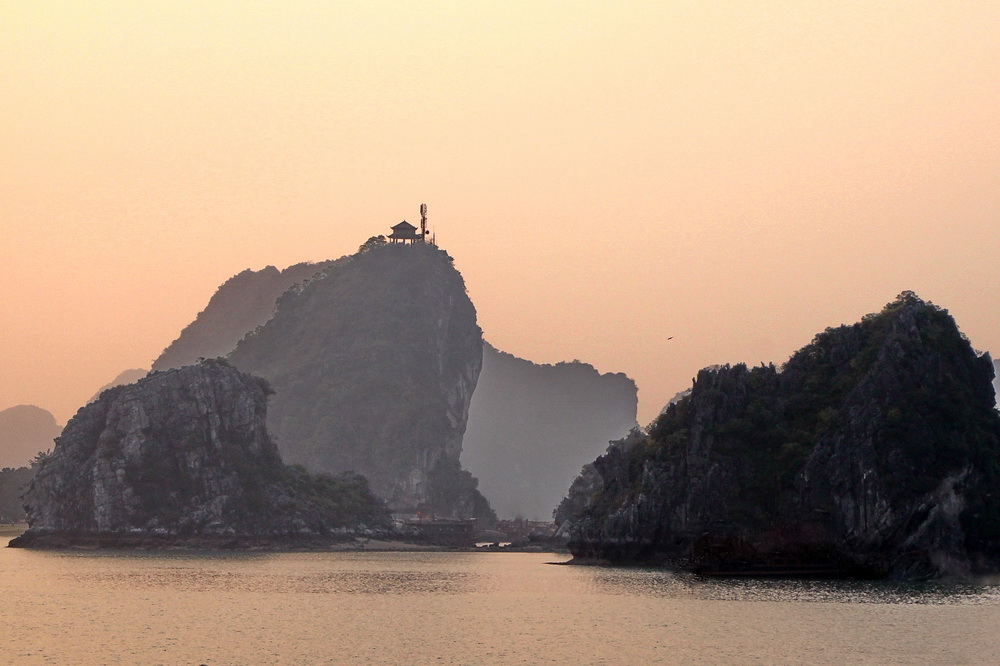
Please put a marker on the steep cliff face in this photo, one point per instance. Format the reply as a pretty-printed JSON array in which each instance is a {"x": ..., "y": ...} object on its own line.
[
  {"x": 24, "y": 431},
  {"x": 242, "y": 303},
  {"x": 875, "y": 450},
  {"x": 184, "y": 453},
  {"x": 996, "y": 378},
  {"x": 532, "y": 427},
  {"x": 374, "y": 365}
]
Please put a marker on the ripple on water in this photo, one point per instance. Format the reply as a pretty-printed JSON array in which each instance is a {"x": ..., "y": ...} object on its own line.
[
  {"x": 334, "y": 582},
  {"x": 651, "y": 582}
]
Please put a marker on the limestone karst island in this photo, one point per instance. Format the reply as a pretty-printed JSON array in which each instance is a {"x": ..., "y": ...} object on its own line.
[{"x": 355, "y": 400}]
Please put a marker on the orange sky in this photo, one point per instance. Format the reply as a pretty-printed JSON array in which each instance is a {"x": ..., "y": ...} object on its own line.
[{"x": 738, "y": 175}]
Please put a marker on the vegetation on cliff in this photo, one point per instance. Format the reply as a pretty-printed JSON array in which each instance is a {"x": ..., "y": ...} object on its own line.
[
  {"x": 181, "y": 454},
  {"x": 13, "y": 484},
  {"x": 875, "y": 447},
  {"x": 530, "y": 427},
  {"x": 374, "y": 363},
  {"x": 240, "y": 304}
]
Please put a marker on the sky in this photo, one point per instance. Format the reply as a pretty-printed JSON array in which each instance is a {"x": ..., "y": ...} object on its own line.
[{"x": 736, "y": 176}]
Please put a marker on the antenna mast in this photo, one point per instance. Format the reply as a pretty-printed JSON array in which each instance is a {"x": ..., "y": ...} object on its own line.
[{"x": 423, "y": 222}]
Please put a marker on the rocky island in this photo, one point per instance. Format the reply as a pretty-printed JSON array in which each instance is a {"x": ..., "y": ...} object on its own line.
[
  {"x": 529, "y": 426},
  {"x": 183, "y": 457},
  {"x": 374, "y": 362},
  {"x": 874, "y": 451}
]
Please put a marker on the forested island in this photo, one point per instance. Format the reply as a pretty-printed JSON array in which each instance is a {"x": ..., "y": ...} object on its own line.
[
  {"x": 874, "y": 451},
  {"x": 183, "y": 457}
]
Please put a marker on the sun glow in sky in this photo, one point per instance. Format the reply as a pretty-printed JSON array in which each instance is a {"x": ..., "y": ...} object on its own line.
[{"x": 737, "y": 175}]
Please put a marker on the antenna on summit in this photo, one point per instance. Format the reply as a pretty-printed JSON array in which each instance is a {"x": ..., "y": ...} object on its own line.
[{"x": 423, "y": 222}]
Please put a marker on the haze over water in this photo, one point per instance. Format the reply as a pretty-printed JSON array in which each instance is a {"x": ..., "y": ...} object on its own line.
[
  {"x": 648, "y": 187},
  {"x": 94, "y": 607}
]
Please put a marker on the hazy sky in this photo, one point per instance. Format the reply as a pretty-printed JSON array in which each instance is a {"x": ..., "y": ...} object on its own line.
[{"x": 738, "y": 175}]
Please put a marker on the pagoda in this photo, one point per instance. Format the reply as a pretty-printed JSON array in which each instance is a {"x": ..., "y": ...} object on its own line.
[{"x": 405, "y": 232}]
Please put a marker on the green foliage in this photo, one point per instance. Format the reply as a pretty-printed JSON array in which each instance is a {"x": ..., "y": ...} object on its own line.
[
  {"x": 928, "y": 411},
  {"x": 13, "y": 483},
  {"x": 342, "y": 500},
  {"x": 219, "y": 360},
  {"x": 363, "y": 362},
  {"x": 161, "y": 487},
  {"x": 372, "y": 242},
  {"x": 642, "y": 451},
  {"x": 165, "y": 490},
  {"x": 40, "y": 458},
  {"x": 450, "y": 486},
  {"x": 256, "y": 475}
]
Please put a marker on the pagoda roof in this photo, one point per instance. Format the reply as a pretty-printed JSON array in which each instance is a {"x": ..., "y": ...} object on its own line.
[{"x": 403, "y": 225}]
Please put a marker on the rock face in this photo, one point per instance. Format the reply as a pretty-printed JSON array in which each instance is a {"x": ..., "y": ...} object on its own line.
[
  {"x": 996, "y": 379},
  {"x": 532, "y": 427},
  {"x": 24, "y": 431},
  {"x": 184, "y": 453},
  {"x": 374, "y": 364},
  {"x": 242, "y": 303},
  {"x": 874, "y": 451}
]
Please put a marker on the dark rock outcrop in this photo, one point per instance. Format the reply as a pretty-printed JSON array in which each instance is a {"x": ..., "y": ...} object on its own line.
[
  {"x": 531, "y": 428},
  {"x": 184, "y": 455},
  {"x": 24, "y": 431},
  {"x": 242, "y": 303},
  {"x": 374, "y": 364},
  {"x": 874, "y": 451}
]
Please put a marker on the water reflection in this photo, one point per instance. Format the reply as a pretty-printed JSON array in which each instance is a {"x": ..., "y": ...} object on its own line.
[
  {"x": 184, "y": 579},
  {"x": 463, "y": 608},
  {"x": 156, "y": 555},
  {"x": 658, "y": 583}
]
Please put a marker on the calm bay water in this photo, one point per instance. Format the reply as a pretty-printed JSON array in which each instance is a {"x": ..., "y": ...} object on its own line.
[{"x": 462, "y": 608}]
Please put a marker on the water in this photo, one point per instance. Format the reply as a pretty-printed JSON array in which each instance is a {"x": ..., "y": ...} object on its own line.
[{"x": 462, "y": 608}]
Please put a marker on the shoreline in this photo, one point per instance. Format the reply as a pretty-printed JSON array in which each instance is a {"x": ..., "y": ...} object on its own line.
[{"x": 19, "y": 537}]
